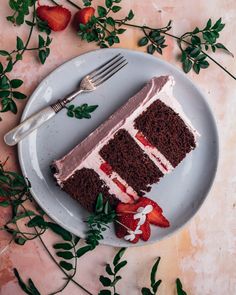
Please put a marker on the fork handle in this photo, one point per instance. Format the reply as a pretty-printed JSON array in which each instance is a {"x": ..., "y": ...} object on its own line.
[{"x": 27, "y": 126}]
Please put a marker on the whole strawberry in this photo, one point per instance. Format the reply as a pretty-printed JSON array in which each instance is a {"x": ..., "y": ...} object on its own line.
[
  {"x": 83, "y": 16},
  {"x": 57, "y": 17}
]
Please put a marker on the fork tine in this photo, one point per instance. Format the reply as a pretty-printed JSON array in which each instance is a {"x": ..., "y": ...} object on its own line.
[
  {"x": 110, "y": 74},
  {"x": 103, "y": 65},
  {"x": 108, "y": 70}
]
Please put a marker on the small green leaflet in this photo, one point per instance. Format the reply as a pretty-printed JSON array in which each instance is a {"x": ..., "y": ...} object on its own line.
[
  {"x": 179, "y": 288},
  {"x": 81, "y": 112},
  {"x": 30, "y": 289}
]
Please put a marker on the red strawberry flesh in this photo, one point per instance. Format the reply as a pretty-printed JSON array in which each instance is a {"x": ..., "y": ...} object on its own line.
[{"x": 57, "y": 17}]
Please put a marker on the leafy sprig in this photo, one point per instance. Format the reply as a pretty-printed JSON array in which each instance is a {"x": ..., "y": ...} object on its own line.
[
  {"x": 154, "y": 284},
  {"x": 21, "y": 10},
  {"x": 154, "y": 40},
  {"x": 80, "y": 112},
  {"x": 98, "y": 223},
  {"x": 113, "y": 273},
  {"x": 192, "y": 55},
  {"x": 103, "y": 29}
]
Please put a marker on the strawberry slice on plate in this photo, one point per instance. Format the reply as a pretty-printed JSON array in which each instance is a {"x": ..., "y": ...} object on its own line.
[{"x": 57, "y": 17}]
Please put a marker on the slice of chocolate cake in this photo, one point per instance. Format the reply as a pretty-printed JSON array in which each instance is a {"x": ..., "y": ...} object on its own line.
[{"x": 143, "y": 140}]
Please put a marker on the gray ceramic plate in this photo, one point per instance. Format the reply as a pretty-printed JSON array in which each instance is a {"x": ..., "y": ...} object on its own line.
[{"x": 180, "y": 194}]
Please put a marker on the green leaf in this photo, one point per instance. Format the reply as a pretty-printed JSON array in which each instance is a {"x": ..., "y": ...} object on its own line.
[
  {"x": 64, "y": 246},
  {"x": 70, "y": 114},
  {"x": 116, "y": 8},
  {"x": 201, "y": 57},
  {"x": 99, "y": 203},
  {"x": 105, "y": 292},
  {"x": 101, "y": 11},
  {"x": 110, "y": 21},
  {"x": 33, "y": 288},
  {"x": 23, "y": 286},
  {"x": 143, "y": 41},
  {"x": 1, "y": 68},
  {"x": 151, "y": 48},
  {"x": 13, "y": 5},
  {"x": 15, "y": 83},
  {"x": 57, "y": 229},
  {"x": 146, "y": 291},
  {"x": 130, "y": 15},
  {"x": 106, "y": 282},
  {"x": 107, "y": 208},
  {"x": 217, "y": 24},
  {"x": 109, "y": 270},
  {"x": 29, "y": 23},
  {"x": 91, "y": 108},
  {"x": 65, "y": 254},
  {"x": 41, "y": 41},
  {"x": 4, "y": 53},
  {"x": 221, "y": 46},
  {"x": 67, "y": 266},
  {"x": 120, "y": 31},
  {"x": 208, "y": 37},
  {"x": 81, "y": 251},
  {"x": 19, "y": 56},
  {"x": 76, "y": 240},
  {"x": 20, "y": 18},
  {"x": 20, "y": 241},
  {"x": 156, "y": 286},
  {"x": 204, "y": 64},
  {"x": 37, "y": 221},
  {"x": 196, "y": 68},
  {"x": 18, "y": 95},
  {"x": 195, "y": 52},
  {"x": 4, "y": 203},
  {"x": 196, "y": 30},
  {"x": 9, "y": 66},
  {"x": 42, "y": 56},
  {"x": 48, "y": 41},
  {"x": 4, "y": 93},
  {"x": 118, "y": 256},
  {"x": 108, "y": 3},
  {"x": 154, "y": 270},
  {"x": 179, "y": 288},
  {"x": 208, "y": 25},
  {"x": 187, "y": 65},
  {"x": 183, "y": 56},
  {"x": 195, "y": 40},
  {"x": 19, "y": 43},
  {"x": 119, "y": 266}
]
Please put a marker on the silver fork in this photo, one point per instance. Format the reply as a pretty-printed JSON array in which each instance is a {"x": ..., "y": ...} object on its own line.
[{"x": 88, "y": 83}]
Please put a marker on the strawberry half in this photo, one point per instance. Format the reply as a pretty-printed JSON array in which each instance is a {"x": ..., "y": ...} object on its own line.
[
  {"x": 83, "y": 16},
  {"x": 57, "y": 17}
]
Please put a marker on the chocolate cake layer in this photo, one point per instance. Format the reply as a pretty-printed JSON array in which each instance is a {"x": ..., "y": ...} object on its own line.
[
  {"x": 130, "y": 162},
  {"x": 85, "y": 185},
  {"x": 165, "y": 130}
]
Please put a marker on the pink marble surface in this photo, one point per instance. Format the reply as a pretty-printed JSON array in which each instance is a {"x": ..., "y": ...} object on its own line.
[{"x": 203, "y": 254}]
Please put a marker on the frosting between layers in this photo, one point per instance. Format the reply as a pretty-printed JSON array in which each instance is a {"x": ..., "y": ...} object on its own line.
[{"x": 85, "y": 155}]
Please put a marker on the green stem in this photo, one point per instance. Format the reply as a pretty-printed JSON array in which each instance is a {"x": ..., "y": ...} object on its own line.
[{"x": 73, "y": 4}]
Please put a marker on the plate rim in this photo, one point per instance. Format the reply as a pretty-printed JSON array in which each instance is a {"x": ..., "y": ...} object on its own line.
[{"x": 113, "y": 242}]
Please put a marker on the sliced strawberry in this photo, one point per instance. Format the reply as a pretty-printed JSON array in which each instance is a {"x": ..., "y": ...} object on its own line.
[
  {"x": 83, "y": 16},
  {"x": 106, "y": 168},
  {"x": 57, "y": 17},
  {"x": 143, "y": 139},
  {"x": 126, "y": 208},
  {"x": 155, "y": 217},
  {"x": 146, "y": 231},
  {"x": 119, "y": 184}
]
